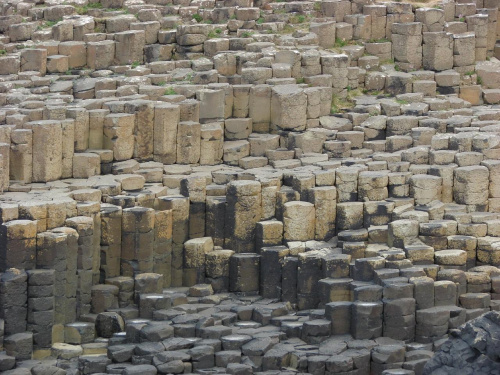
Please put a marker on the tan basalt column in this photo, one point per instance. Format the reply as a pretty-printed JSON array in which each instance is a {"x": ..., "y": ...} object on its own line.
[
  {"x": 82, "y": 129},
  {"x": 118, "y": 135},
  {"x": 180, "y": 232},
  {"x": 18, "y": 244},
  {"x": 129, "y": 47},
  {"x": 407, "y": 44},
  {"x": 288, "y": 108},
  {"x": 2, "y": 174},
  {"x": 111, "y": 239},
  {"x": 260, "y": 107},
  {"x": 68, "y": 147},
  {"x": 470, "y": 187},
  {"x": 21, "y": 155},
  {"x": 324, "y": 199},
  {"x": 34, "y": 210},
  {"x": 100, "y": 55},
  {"x": 41, "y": 303},
  {"x": 494, "y": 184},
  {"x": 347, "y": 184},
  {"x": 92, "y": 210},
  {"x": 162, "y": 255},
  {"x": 269, "y": 200},
  {"x": 137, "y": 240},
  {"x": 241, "y": 99},
  {"x": 243, "y": 211},
  {"x": 195, "y": 189},
  {"x": 52, "y": 254},
  {"x": 96, "y": 128},
  {"x": 299, "y": 219},
  {"x": 212, "y": 104},
  {"x": 85, "y": 260},
  {"x": 188, "y": 142},
  {"x": 215, "y": 219},
  {"x": 212, "y": 142},
  {"x": 47, "y": 150},
  {"x": 166, "y": 121},
  {"x": 13, "y": 300},
  {"x": 189, "y": 110},
  {"x": 217, "y": 269},
  {"x": 66, "y": 298},
  {"x": 194, "y": 260},
  {"x": 143, "y": 127}
]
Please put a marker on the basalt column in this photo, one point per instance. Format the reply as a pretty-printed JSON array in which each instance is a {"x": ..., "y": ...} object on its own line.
[{"x": 243, "y": 211}]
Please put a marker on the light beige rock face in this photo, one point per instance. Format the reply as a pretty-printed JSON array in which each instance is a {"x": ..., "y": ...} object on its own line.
[
  {"x": 437, "y": 50},
  {"x": 288, "y": 107},
  {"x": 243, "y": 211},
  {"x": 211, "y": 144},
  {"x": 299, "y": 219},
  {"x": 47, "y": 153},
  {"x": 188, "y": 142},
  {"x": 118, "y": 135},
  {"x": 470, "y": 185},
  {"x": 100, "y": 55},
  {"x": 129, "y": 46},
  {"x": 166, "y": 120}
]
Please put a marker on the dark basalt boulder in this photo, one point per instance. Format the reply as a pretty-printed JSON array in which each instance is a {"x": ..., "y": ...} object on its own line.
[{"x": 473, "y": 348}]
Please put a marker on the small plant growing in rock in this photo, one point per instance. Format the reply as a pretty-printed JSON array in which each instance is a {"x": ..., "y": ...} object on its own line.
[
  {"x": 170, "y": 91},
  {"x": 301, "y": 19},
  {"x": 260, "y": 21},
  {"x": 479, "y": 80},
  {"x": 246, "y": 34},
  {"x": 340, "y": 43},
  {"x": 197, "y": 18},
  {"x": 135, "y": 64},
  {"x": 48, "y": 24},
  {"x": 3, "y": 52},
  {"x": 299, "y": 80},
  {"x": 85, "y": 9}
]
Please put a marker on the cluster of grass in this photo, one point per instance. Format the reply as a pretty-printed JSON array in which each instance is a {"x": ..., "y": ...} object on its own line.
[
  {"x": 197, "y": 18},
  {"x": 246, "y": 34},
  {"x": 214, "y": 33},
  {"x": 170, "y": 91},
  {"x": 287, "y": 29},
  {"x": 381, "y": 40},
  {"x": 85, "y": 9},
  {"x": 340, "y": 104},
  {"x": 135, "y": 64},
  {"x": 48, "y": 24},
  {"x": 3, "y": 52},
  {"x": 297, "y": 19},
  {"x": 339, "y": 43}
]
